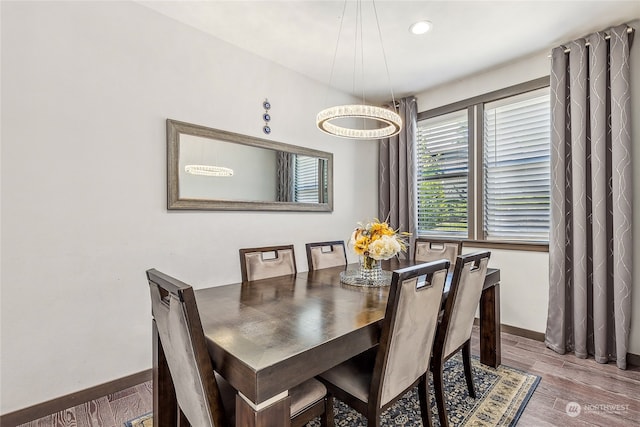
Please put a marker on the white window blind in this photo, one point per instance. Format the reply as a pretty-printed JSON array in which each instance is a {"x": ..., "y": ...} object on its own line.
[
  {"x": 516, "y": 167},
  {"x": 442, "y": 156},
  {"x": 306, "y": 184}
]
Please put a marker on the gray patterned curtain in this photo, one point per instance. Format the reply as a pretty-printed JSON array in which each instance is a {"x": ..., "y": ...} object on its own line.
[
  {"x": 397, "y": 171},
  {"x": 591, "y": 198},
  {"x": 285, "y": 177}
]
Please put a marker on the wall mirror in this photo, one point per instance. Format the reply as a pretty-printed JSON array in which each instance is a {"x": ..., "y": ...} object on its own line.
[{"x": 212, "y": 169}]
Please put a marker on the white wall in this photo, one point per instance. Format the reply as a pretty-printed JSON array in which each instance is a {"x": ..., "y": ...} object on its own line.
[
  {"x": 86, "y": 89},
  {"x": 525, "y": 275}
]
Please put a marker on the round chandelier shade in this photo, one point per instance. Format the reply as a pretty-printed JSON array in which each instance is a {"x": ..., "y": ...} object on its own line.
[{"x": 392, "y": 122}]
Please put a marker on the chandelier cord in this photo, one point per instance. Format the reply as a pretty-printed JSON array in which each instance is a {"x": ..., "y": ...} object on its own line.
[
  {"x": 384, "y": 56},
  {"x": 335, "y": 52},
  {"x": 359, "y": 21},
  {"x": 355, "y": 49}
]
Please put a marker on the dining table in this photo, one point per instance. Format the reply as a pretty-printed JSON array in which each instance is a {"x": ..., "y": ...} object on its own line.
[{"x": 267, "y": 336}]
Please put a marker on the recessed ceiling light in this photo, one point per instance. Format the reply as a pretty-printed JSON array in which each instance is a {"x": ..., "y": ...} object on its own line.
[{"x": 420, "y": 27}]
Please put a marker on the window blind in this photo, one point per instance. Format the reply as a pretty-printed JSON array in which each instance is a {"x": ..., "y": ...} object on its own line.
[
  {"x": 516, "y": 167},
  {"x": 306, "y": 185},
  {"x": 442, "y": 156}
]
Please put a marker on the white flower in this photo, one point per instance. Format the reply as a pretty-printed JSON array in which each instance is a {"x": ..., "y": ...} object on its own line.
[
  {"x": 384, "y": 248},
  {"x": 352, "y": 240}
]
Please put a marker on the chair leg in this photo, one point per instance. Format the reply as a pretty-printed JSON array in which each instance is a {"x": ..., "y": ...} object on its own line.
[
  {"x": 423, "y": 396},
  {"x": 182, "y": 419},
  {"x": 439, "y": 392},
  {"x": 326, "y": 419},
  {"x": 373, "y": 421},
  {"x": 468, "y": 372},
  {"x": 373, "y": 418}
]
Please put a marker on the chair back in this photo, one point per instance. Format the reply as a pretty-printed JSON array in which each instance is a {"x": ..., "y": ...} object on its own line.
[
  {"x": 177, "y": 320},
  {"x": 326, "y": 254},
  {"x": 434, "y": 249},
  {"x": 462, "y": 301},
  {"x": 408, "y": 329},
  {"x": 266, "y": 262}
]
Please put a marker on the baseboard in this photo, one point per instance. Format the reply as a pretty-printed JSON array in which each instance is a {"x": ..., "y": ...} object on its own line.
[
  {"x": 13, "y": 419},
  {"x": 633, "y": 359},
  {"x": 525, "y": 333},
  {"x": 513, "y": 330}
]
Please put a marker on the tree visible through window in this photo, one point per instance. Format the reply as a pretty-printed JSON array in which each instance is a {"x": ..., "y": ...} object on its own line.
[{"x": 443, "y": 166}]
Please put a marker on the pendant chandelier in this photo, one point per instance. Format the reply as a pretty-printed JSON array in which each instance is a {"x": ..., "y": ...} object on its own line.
[
  {"x": 207, "y": 170},
  {"x": 208, "y": 154},
  {"x": 388, "y": 122}
]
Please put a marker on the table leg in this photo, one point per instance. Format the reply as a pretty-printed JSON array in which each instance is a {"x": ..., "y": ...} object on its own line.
[
  {"x": 165, "y": 405},
  {"x": 276, "y": 414},
  {"x": 490, "y": 347}
]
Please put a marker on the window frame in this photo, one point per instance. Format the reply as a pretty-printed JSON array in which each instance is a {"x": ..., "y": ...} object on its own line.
[{"x": 475, "y": 184}]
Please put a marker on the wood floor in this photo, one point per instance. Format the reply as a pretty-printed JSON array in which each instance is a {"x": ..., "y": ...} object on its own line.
[
  {"x": 112, "y": 410},
  {"x": 607, "y": 395}
]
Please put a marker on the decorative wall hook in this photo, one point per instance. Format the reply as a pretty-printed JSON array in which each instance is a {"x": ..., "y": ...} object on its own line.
[{"x": 266, "y": 116}]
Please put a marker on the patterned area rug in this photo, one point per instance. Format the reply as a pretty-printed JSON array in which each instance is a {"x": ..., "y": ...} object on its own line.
[{"x": 502, "y": 395}]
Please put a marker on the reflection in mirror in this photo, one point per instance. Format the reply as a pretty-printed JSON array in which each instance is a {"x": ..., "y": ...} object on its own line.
[{"x": 219, "y": 170}]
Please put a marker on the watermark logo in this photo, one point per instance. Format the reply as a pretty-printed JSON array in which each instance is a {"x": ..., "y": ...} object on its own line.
[
  {"x": 605, "y": 407},
  {"x": 573, "y": 409}
]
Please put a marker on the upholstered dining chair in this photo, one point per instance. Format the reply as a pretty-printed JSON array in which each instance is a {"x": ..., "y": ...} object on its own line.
[
  {"x": 426, "y": 249},
  {"x": 204, "y": 397},
  {"x": 454, "y": 329},
  {"x": 268, "y": 261},
  {"x": 377, "y": 378},
  {"x": 326, "y": 254}
]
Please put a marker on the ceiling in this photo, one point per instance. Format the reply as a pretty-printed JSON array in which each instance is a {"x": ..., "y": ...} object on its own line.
[{"x": 467, "y": 36}]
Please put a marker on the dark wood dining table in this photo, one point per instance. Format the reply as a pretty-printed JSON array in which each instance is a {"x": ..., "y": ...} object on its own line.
[{"x": 269, "y": 335}]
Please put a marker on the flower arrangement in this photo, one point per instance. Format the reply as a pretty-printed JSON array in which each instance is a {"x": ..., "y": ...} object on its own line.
[{"x": 376, "y": 241}]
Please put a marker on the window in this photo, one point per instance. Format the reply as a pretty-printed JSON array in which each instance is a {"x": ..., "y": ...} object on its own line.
[
  {"x": 483, "y": 167},
  {"x": 443, "y": 166},
  {"x": 307, "y": 188},
  {"x": 516, "y": 167}
]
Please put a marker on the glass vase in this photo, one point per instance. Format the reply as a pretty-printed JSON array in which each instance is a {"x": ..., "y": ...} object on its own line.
[{"x": 370, "y": 269}]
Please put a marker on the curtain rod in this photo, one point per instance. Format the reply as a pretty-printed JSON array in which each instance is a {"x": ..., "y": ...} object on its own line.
[{"x": 630, "y": 30}]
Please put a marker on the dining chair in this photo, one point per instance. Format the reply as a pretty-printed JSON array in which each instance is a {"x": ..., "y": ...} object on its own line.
[
  {"x": 374, "y": 380},
  {"x": 204, "y": 397},
  {"x": 454, "y": 329},
  {"x": 268, "y": 261},
  {"x": 426, "y": 249},
  {"x": 326, "y": 254}
]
